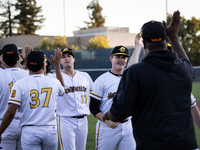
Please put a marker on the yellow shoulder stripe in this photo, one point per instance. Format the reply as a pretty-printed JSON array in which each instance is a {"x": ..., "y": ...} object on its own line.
[
  {"x": 14, "y": 100},
  {"x": 96, "y": 95}
]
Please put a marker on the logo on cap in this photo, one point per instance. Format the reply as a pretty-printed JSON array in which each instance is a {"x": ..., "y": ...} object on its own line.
[
  {"x": 66, "y": 49},
  {"x": 156, "y": 40},
  {"x": 9, "y": 52},
  {"x": 122, "y": 49},
  {"x": 33, "y": 63}
]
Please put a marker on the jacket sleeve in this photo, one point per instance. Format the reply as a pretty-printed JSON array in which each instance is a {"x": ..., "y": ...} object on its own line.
[{"x": 124, "y": 100}]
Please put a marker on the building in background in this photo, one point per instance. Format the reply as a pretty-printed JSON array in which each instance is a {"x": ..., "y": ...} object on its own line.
[{"x": 115, "y": 36}]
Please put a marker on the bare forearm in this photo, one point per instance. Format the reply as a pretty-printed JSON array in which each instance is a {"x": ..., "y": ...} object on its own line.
[
  {"x": 135, "y": 56},
  {"x": 177, "y": 47},
  {"x": 100, "y": 116},
  {"x": 7, "y": 119},
  {"x": 136, "y": 53},
  {"x": 59, "y": 75},
  {"x": 196, "y": 115}
]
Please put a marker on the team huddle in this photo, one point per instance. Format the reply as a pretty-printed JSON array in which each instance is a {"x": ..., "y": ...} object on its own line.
[{"x": 38, "y": 108}]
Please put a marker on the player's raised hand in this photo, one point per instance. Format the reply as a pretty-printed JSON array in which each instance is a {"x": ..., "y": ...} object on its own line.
[
  {"x": 27, "y": 49},
  {"x": 111, "y": 124},
  {"x": 138, "y": 42},
  {"x": 173, "y": 27},
  {"x": 57, "y": 57},
  {"x": 172, "y": 32},
  {"x": 136, "y": 53}
]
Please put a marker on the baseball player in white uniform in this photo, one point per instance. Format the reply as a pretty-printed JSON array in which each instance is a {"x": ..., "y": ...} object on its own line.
[
  {"x": 11, "y": 74},
  {"x": 195, "y": 111},
  {"x": 73, "y": 107},
  {"x": 110, "y": 134},
  {"x": 35, "y": 96},
  {"x": 2, "y": 63}
]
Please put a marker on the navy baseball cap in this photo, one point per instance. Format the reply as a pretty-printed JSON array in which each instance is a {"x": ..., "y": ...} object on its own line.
[
  {"x": 153, "y": 32},
  {"x": 35, "y": 60},
  {"x": 67, "y": 50},
  {"x": 120, "y": 50},
  {"x": 10, "y": 49}
]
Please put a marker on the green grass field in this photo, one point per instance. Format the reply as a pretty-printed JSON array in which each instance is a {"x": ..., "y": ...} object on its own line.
[{"x": 92, "y": 123}]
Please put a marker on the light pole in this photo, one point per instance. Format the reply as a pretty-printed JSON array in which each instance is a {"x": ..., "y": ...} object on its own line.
[
  {"x": 64, "y": 16},
  {"x": 166, "y": 10}
]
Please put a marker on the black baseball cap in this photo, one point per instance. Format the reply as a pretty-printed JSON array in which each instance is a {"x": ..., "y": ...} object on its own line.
[
  {"x": 120, "y": 50},
  {"x": 67, "y": 50},
  {"x": 10, "y": 49},
  {"x": 153, "y": 32},
  {"x": 35, "y": 60}
]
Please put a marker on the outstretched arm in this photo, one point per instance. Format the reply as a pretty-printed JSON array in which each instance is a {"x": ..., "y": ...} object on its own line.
[
  {"x": 136, "y": 53},
  {"x": 172, "y": 32},
  {"x": 8, "y": 117},
  {"x": 196, "y": 115},
  {"x": 56, "y": 62}
]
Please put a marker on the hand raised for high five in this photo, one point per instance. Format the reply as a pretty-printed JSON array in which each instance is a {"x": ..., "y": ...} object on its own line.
[
  {"x": 172, "y": 32},
  {"x": 57, "y": 57},
  {"x": 173, "y": 27},
  {"x": 27, "y": 50}
]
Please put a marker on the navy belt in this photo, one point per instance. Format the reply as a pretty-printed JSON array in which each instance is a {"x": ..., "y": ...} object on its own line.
[
  {"x": 124, "y": 121},
  {"x": 78, "y": 117}
]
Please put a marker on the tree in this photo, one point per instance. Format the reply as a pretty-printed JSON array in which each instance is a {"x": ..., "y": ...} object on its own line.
[
  {"x": 28, "y": 18},
  {"x": 189, "y": 36},
  {"x": 74, "y": 47},
  {"x": 97, "y": 20},
  {"x": 46, "y": 44},
  {"x": 98, "y": 43},
  {"x": 7, "y": 23},
  {"x": 59, "y": 42}
]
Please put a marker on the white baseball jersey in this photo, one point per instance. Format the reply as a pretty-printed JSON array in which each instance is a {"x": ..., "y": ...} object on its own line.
[
  {"x": 193, "y": 100},
  {"x": 1, "y": 69},
  {"x": 75, "y": 101},
  {"x": 104, "y": 89},
  {"x": 36, "y": 96},
  {"x": 7, "y": 79},
  {"x": 51, "y": 75}
]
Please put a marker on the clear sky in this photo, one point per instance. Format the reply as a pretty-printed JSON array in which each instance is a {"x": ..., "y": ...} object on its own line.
[{"x": 119, "y": 13}]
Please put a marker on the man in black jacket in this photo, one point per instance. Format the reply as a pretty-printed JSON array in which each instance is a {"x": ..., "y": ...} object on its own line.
[{"x": 156, "y": 92}]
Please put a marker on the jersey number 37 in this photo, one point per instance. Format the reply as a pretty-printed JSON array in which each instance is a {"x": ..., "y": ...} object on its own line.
[{"x": 36, "y": 100}]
